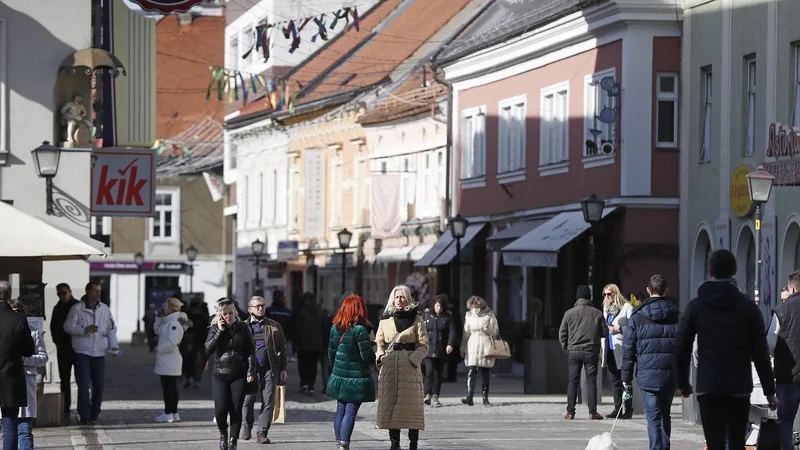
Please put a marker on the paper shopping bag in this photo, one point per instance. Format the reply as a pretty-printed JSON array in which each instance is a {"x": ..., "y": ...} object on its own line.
[
  {"x": 279, "y": 413},
  {"x": 769, "y": 434}
]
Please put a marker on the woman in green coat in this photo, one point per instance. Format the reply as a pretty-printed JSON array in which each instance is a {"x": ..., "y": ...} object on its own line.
[{"x": 351, "y": 357}]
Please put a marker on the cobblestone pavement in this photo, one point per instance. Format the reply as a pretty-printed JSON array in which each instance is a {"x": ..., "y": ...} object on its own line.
[{"x": 516, "y": 421}]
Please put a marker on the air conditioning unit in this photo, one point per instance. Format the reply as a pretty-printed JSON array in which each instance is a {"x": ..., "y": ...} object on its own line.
[{"x": 607, "y": 148}]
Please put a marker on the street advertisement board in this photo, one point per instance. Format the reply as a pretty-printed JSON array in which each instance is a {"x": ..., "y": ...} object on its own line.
[
  {"x": 288, "y": 251},
  {"x": 123, "y": 182}
]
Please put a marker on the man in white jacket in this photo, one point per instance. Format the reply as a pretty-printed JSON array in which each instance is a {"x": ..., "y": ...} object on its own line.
[{"x": 93, "y": 332}]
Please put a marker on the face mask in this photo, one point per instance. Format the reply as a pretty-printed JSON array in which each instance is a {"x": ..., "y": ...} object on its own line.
[{"x": 476, "y": 311}]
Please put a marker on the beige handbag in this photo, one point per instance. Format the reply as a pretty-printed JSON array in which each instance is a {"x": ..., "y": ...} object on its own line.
[{"x": 496, "y": 348}]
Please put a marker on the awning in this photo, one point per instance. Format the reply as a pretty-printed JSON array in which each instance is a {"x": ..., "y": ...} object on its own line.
[
  {"x": 438, "y": 248},
  {"x": 399, "y": 254},
  {"x": 539, "y": 247},
  {"x": 27, "y": 236},
  {"x": 450, "y": 252},
  {"x": 512, "y": 233}
]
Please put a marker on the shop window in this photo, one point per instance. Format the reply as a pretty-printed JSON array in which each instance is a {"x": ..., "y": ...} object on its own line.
[{"x": 667, "y": 110}]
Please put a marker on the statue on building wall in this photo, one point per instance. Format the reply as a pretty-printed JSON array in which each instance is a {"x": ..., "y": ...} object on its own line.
[{"x": 77, "y": 121}]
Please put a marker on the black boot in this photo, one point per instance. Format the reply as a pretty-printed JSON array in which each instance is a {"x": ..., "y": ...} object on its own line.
[
  {"x": 628, "y": 413},
  {"x": 413, "y": 437},
  {"x": 247, "y": 432},
  {"x": 485, "y": 386},
  {"x": 394, "y": 438},
  {"x": 613, "y": 414},
  {"x": 223, "y": 440},
  {"x": 472, "y": 373}
]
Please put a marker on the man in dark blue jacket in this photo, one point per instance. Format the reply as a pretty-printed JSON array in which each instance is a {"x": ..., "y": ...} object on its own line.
[
  {"x": 648, "y": 344},
  {"x": 730, "y": 334}
]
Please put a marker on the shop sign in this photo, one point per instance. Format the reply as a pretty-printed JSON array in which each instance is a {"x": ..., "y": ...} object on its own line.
[
  {"x": 288, "y": 251},
  {"x": 128, "y": 266},
  {"x": 123, "y": 182},
  {"x": 166, "y": 6},
  {"x": 784, "y": 145},
  {"x": 739, "y": 192}
]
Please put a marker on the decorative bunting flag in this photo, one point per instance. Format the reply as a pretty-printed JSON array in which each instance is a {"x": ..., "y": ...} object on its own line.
[{"x": 279, "y": 94}]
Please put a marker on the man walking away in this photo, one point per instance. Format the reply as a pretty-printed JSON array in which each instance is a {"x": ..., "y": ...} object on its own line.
[
  {"x": 310, "y": 335},
  {"x": 730, "y": 334},
  {"x": 270, "y": 359},
  {"x": 783, "y": 340},
  {"x": 198, "y": 315},
  {"x": 648, "y": 346},
  {"x": 64, "y": 353},
  {"x": 93, "y": 332},
  {"x": 280, "y": 313},
  {"x": 16, "y": 342},
  {"x": 149, "y": 320},
  {"x": 581, "y": 330}
]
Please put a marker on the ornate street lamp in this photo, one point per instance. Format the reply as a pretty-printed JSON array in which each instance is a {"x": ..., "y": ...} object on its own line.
[
  {"x": 592, "y": 208},
  {"x": 344, "y": 243},
  {"x": 191, "y": 256},
  {"x": 458, "y": 228},
  {"x": 46, "y": 158},
  {"x": 258, "y": 249},
  {"x": 759, "y": 183}
]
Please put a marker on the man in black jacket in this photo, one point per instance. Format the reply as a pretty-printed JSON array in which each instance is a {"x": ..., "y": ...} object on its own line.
[
  {"x": 783, "y": 340},
  {"x": 16, "y": 342},
  {"x": 581, "y": 330},
  {"x": 730, "y": 334},
  {"x": 63, "y": 341}
]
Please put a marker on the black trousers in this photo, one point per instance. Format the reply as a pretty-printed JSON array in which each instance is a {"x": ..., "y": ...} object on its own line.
[
  {"x": 170, "y": 387},
  {"x": 589, "y": 362},
  {"x": 615, "y": 378},
  {"x": 228, "y": 401},
  {"x": 453, "y": 360},
  {"x": 724, "y": 416},
  {"x": 472, "y": 378},
  {"x": 66, "y": 360},
  {"x": 434, "y": 368},
  {"x": 307, "y": 366},
  {"x": 413, "y": 435}
]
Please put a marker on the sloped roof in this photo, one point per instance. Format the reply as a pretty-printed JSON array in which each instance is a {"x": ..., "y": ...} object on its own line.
[
  {"x": 506, "y": 19},
  {"x": 205, "y": 143},
  {"x": 409, "y": 99}
]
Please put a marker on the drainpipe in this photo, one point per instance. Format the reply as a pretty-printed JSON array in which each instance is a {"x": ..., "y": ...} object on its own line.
[{"x": 449, "y": 145}]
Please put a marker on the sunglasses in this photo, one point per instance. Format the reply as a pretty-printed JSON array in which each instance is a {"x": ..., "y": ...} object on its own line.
[
  {"x": 225, "y": 301},
  {"x": 261, "y": 306},
  {"x": 608, "y": 294}
]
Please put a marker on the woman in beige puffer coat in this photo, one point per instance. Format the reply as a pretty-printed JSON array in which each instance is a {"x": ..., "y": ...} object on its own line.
[
  {"x": 480, "y": 325},
  {"x": 402, "y": 342}
]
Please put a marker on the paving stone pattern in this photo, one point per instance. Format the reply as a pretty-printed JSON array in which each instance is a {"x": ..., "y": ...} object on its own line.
[{"x": 515, "y": 421}]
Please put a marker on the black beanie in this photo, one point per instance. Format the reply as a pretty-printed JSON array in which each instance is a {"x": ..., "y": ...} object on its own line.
[{"x": 584, "y": 292}]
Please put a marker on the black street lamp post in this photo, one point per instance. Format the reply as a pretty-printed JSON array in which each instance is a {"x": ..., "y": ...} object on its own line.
[
  {"x": 138, "y": 258},
  {"x": 759, "y": 183},
  {"x": 458, "y": 228},
  {"x": 592, "y": 208},
  {"x": 258, "y": 249},
  {"x": 191, "y": 256},
  {"x": 46, "y": 158},
  {"x": 344, "y": 243}
]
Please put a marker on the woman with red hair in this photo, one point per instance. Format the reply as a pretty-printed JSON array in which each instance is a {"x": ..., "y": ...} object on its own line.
[{"x": 351, "y": 357}]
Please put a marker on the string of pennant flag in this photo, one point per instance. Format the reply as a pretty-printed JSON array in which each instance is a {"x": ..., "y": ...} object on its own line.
[
  {"x": 280, "y": 94},
  {"x": 291, "y": 30}
]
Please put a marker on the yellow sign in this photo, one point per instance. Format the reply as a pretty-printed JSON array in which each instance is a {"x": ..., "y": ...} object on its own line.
[{"x": 740, "y": 193}]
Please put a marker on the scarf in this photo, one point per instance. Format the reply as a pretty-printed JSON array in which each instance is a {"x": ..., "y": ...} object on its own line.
[
  {"x": 404, "y": 318},
  {"x": 612, "y": 309}
]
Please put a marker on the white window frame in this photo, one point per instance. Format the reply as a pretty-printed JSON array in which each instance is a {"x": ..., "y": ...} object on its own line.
[
  {"x": 473, "y": 147},
  {"x": 667, "y": 97},
  {"x": 595, "y": 98},
  {"x": 428, "y": 185},
  {"x": 795, "y": 119},
  {"x": 750, "y": 102},
  {"x": 707, "y": 87},
  {"x": 554, "y": 124},
  {"x": 234, "y": 50},
  {"x": 511, "y": 139},
  {"x": 105, "y": 225},
  {"x": 174, "y": 208},
  {"x": 262, "y": 198}
]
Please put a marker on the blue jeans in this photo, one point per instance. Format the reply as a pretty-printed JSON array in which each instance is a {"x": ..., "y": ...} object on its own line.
[
  {"x": 10, "y": 425},
  {"x": 25, "y": 432},
  {"x": 89, "y": 372},
  {"x": 657, "y": 406},
  {"x": 788, "y": 402},
  {"x": 345, "y": 420}
]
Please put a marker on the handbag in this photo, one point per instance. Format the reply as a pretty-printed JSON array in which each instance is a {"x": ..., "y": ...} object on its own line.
[
  {"x": 769, "y": 433},
  {"x": 496, "y": 348}
]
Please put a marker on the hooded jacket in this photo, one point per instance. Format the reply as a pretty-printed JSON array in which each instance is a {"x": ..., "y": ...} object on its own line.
[
  {"x": 582, "y": 328},
  {"x": 312, "y": 323},
  {"x": 730, "y": 333},
  {"x": 649, "y": 343}
]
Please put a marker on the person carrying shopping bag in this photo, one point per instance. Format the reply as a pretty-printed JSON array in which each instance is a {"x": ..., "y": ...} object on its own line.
[
  {"x": 351, "y": 356},
  {"x": 480, "y": 326}
]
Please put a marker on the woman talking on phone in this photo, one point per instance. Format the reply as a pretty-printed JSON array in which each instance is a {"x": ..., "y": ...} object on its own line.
[{"x": 231, "y": 342}]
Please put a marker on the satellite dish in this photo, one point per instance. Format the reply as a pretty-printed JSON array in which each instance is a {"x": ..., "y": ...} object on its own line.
[
  {"x": 607, "y": 115},
  {"x": 607, "y": 83}
]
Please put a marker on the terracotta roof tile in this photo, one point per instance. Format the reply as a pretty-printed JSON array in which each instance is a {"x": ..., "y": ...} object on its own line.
[{"x": 410, "y": 98}]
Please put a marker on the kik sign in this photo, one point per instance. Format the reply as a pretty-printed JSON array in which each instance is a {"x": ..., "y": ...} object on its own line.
[{"x": 123, "y": 182}]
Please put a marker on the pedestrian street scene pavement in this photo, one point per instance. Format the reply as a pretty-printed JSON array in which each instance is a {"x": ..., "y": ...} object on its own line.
[{"x": 515, "y": 421}]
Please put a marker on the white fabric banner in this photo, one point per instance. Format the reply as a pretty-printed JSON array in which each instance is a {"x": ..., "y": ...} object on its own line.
[{"x": 384, "y": 214}]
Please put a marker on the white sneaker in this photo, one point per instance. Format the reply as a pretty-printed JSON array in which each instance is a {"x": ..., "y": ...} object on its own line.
[
  {"x": 176, "y": 417},
  {"x": 165, "y": 418}
]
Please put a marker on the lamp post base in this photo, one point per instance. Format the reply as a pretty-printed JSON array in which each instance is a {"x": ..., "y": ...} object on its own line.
[{"x": 138, "y": 339}]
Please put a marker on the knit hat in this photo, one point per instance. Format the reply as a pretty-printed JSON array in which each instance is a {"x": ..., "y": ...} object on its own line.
[{"x": 584, "y": 292}]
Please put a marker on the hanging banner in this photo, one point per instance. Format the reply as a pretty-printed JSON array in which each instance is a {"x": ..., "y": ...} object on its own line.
[
  {"x": 215, "y": 186},
  {"x": 166, "y": 6},
  {"x": 384, "y": 214}
]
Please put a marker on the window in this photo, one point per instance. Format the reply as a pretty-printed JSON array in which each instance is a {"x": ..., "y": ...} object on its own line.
[
  {"x": 667, "y": 110},
  {"x": 441, "y": 177},
  {"x": 473, "y": 143},
  {"x": 361, "y": 198},
  {"x": 554, "y": 138},
  {"x": 248, "y": 44},
  {"x": 511, "y": 135},
  {"x": 233, "y": 53},
  {"x": 407, "y": 194},
  {"x": 336, "y": 192},
  {"x": 429, "y": 187},
  {"x": 294, "y": 212},
  {"x": 750, "y": 126},
  {"x": 101, "y": 230},
  {"x": 232, "y": 155},
  {"x": 705, "y": 144},
  {"x": 796, "y": 102},
  {"x": 165, "y": 225},
  {"x": 595, "y": 101},
  {"x": 261, "y": 199},
  {"x": 275, "y": 196}
]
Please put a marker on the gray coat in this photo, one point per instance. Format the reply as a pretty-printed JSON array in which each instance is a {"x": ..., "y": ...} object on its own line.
[{"x": 582, "y": 328}]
